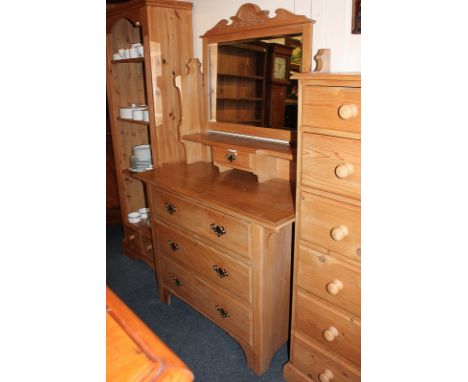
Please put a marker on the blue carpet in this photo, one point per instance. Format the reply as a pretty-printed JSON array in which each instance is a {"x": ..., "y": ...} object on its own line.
[{"x": 211, "y": 354}]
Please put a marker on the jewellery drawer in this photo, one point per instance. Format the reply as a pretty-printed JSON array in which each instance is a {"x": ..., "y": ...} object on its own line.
[
  {"x": 220, "y": 228},
  {"x": 147, "y": 247},
  {"x": 333, "y": 225},
  {"x": 330, "y": 279},
  {"x": 131, "y": 238},
  {"x": 233, "y": 158},
  {"x": 334, "y": 331},
  {"x": 219, "y": 269},
  {"x": 331, "y": 164},
  {"x": 227, "y": 312},
  {"x": 310, "y": 360},
  {"x": 333, "y": 108},
  {"x": 179, "y": 280}
]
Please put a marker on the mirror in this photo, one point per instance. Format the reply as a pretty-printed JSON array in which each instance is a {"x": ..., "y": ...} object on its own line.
[{"x": 249, "y": 65}]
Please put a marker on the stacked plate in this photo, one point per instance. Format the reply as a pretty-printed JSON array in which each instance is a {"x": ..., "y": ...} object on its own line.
[{"x": 141, "y": 159}]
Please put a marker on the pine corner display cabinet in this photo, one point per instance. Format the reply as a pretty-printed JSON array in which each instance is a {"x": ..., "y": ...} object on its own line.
[{"x": 148, "y": 41}]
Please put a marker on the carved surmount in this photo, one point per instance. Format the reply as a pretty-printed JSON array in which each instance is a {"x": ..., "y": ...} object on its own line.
[{"x": 251, "y": 16}]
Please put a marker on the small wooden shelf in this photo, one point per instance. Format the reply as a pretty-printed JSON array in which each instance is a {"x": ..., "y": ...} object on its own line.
[
  {"x": 133, "y": 121},
  {"x": 248, "y": 76},
  {"x": 254, "y": 146},
  {"x": 249, "y": 99},
  {"x": 240, "y": 122},
  {"x": 128, "y": 60},
  {"x": 142, "y": 226}
]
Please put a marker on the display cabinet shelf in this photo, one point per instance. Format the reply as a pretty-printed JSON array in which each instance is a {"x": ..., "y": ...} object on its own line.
[
  {"x": 128, "y": 60},
  {"x": 133, "y": 121}
]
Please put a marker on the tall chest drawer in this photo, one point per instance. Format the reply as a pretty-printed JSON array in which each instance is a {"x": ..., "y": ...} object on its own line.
[
  {"x": 332, "y": 108},
  {"x": 331, "y": 224},
  {"x": 330, "y": 279},
  {"x": 334, "y": 331},
  {"x": 331, "y": 164},
  {"x": 221, "y": 229},
  {"x": 317, "y": 365},
  {"x": 220, "y": 269}
]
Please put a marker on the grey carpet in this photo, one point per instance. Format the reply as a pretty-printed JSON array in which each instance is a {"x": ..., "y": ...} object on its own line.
[{"x": 211, "y": 354}]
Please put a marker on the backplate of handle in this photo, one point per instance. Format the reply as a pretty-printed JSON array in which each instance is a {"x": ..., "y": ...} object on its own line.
[
  {"x": 222, "y": 312},
  {"x": 177, "y": 281},
  {"x": 221, "y": 272},
  {"x": 173, "y": 246}
]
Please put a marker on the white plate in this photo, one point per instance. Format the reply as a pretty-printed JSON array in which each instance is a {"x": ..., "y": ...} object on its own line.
[{"x": 141, "y": 169}]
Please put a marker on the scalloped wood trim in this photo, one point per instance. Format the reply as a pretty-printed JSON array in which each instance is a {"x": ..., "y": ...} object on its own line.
[{"x": 251, "y": 16}]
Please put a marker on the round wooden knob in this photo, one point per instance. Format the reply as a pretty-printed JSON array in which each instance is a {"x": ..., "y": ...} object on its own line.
[
  {"x": 348, "y": 111},
  {"x": 326, "y": 376},
  {"x": 131, "y": 237},
  {"x": 334, "y": 287},
  {"x": 149, "y": 247},
  {"x": 344, "y": 170},
  {"x": 330, "y": 334},
  {"x": 339, "y": 233}
]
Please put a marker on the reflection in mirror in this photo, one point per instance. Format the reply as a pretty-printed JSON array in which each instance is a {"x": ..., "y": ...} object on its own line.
[{"x": 250, "y": 81}]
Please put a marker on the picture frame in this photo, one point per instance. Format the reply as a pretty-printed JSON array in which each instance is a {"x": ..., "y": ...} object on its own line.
[{"x": 356, "y": 24}]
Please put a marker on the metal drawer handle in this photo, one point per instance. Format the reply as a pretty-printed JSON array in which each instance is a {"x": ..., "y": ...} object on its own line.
[
  {"x": 231, "y": 156},
  {"x": 223, "y": 313},
  {"x": 221, "y": 272},
  {"x": 218, "y": 230},
  {"x": 173, "y": 246},
  {"x": 170, "y": 208},
  {"x": 177, "y": 281}
]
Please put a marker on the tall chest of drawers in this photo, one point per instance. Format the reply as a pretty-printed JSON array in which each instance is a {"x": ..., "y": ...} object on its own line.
[
  {"x": 224, "y": 250},
  {"x": 325, "y": 328}
]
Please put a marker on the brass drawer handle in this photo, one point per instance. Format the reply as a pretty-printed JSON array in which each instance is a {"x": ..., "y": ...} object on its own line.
[
  {"x": 223, "y": 313},
  {"x": 231, "y": 156},
  {"x": 170, "y": 208},
  {"x": 173, "y": 246},
  {"x": 221, "y": 272},
  {"x": 177, "y": 281},
  {"x": 218, "y": 230}
]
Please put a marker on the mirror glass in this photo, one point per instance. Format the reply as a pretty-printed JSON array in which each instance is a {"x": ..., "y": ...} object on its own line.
[{"x": 250, "y": 81}]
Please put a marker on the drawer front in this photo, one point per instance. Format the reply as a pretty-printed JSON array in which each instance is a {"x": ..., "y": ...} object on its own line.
[
  {"x": 220, "y": 228},
  {"x": 333, "y": 225},
  {"x": 131, "y": 238},
  {"x": 178, "y": 279},
  {"x": 331, "y": 164},
  {"x": 334, "y": 331},
  {"x": 333, "y": 108},
  {"x": 315, "y": 364},
  {"x": 330, "y": 279},
  {"x": 230, "y": 314},
  {"x": 219, "y": 269},
  {"x": 147, "y": 247},
  {"x": 233, "y": 158}
]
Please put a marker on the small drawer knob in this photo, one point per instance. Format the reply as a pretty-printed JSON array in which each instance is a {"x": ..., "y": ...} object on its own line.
[
  {"x": 344, "y": 170},
  {"x": 326, "y": 376},
  {"x": 218, "y": 230},
  {"x": 334, "y": 287},
  {"x": 221, "y": 272},
  {"x": 177, "y": 281},
  {"x": 222, "y": 312},
  {"x": 330, "y": 334},
  {"x": 339, "y": 233},
  {"x": 231, "y": 156},
  {"x": 348, "y": 111},
  {"x": 131, "y": 237},
  {"x": 173, "y": 246},
  {"x": 149, "y": 247}
]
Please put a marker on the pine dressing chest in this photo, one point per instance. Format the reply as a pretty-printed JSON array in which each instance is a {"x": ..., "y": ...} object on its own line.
[{"x": 325, "y": 328}]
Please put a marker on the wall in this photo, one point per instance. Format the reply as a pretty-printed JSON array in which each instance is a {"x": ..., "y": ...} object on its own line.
[{"x": 331, "y": 30}]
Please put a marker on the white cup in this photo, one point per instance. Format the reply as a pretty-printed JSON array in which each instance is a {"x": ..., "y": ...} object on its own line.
[
  {"x": 146, "y": 115},
  {"x": 133, "y": 53},
  {"x": 144, "y": 213},
  {"x": 140, "y": 51},
  {"x": 127, "y": 53},
  {"x": 137, "y": 114},
  {"x": 116, "y": 56},
  {"x": 122, "y": 53},
  {"x": 134, "y": 217},
  {"x": 136, "y": 45}
]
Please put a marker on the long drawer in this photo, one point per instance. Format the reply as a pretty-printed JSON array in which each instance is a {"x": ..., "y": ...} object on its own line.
[
  {"x": 330, "y": 279},
  {"x": 334, "y": 331},
  {"x": 331, "y": 224},
  {"x": 227, "y": 312},
  {"x": 213, "y": 225},
  {"x": 331, "y": 164},
  {"x": 333, "y": 108},
  {"x": 311, "y": 361},
  {"x": 220, "y": 269}
]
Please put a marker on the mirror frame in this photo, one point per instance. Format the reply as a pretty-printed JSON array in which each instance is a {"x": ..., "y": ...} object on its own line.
[{"x": 252, "y": 22}]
